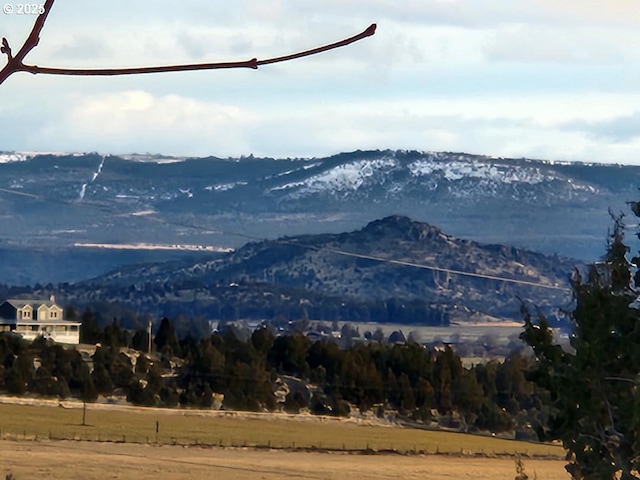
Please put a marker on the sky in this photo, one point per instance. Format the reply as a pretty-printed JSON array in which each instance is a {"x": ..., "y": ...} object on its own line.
[{"x": 527, "y": 78}]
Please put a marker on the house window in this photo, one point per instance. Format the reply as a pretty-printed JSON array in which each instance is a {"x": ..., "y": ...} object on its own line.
[
  {"x": 26, "y": 314},
  {"x": 54, "y": 314}
]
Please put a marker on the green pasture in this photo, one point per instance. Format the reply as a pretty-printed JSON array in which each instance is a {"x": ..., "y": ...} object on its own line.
[{"x": 190, "y": 427}]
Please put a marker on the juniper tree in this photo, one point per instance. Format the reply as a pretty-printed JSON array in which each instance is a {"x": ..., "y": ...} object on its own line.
[
  {"x": 594, "y": 384},
  {"x": 166, "y": 339}
]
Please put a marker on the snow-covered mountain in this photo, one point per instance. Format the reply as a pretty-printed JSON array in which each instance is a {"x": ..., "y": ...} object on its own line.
[
  {"x": 55, "y": 201},
  {"x": 460, "y": 176}
]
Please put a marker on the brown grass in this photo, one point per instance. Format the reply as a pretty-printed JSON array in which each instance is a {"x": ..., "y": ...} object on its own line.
[
  {"x": 96, "y": 461},
  {"x": 138, "y": 425},
  {"x": 39, "y": 457}
]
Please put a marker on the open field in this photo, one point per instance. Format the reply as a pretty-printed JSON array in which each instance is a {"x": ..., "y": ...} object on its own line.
[
  {"x": 62, "y": 460},
  {"x": 120, "y": 442},
  {"x": 499, "y": 331},
  {"x": 120, "y": 423}
]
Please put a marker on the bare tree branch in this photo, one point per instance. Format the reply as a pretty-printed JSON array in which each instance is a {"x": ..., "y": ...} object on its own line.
[{"x": 15, "y": 64}]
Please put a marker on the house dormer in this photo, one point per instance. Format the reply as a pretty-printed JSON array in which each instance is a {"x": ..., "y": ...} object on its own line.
[
  {"x": 25, "y": 313},
  {"x": 55, "y": 312}
]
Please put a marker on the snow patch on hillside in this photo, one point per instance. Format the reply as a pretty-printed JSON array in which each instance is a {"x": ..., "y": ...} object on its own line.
[
  {"x": 458, "y": 170},
  {"x": 459, "y": 175},
  {"x": 344, "y": 178},
  {"x": 8, "y": 157},
  {"x": 223, "y": 187}
]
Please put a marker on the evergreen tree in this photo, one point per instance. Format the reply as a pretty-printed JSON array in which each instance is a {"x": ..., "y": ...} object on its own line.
[
  {"x": 43, "y": 383},
  {"x": 166, "y": 339},
  {"x": 140, "y": 340},
  {"x": 102, "y": 380},
  {"x": 407, "y": 398},
  {"x": 594, "y": 386},
  {"x": 262, "y": 339},
  {"x": 121, "y": 370},
  {"x": 89, "y": 331},
  {"x": 15, "y": 383},
  {"x": 113, "y": 335}
]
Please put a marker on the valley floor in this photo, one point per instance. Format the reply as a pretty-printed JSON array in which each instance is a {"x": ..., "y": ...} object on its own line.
[{"x": 58, "y": 460}]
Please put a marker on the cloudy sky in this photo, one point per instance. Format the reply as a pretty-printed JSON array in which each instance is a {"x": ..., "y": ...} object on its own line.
[{"x": 513, "y": 78}]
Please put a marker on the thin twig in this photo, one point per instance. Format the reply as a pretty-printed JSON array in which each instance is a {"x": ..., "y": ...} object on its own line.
[
  {"x": 15, "y": 64},
  {"x": 105, "y": 72}
]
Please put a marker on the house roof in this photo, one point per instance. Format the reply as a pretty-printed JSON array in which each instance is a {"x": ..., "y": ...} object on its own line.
[{"x": 34, "y": 303}]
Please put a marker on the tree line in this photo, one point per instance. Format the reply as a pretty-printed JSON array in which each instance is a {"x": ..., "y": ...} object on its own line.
[{"x": 269, "y": 372}]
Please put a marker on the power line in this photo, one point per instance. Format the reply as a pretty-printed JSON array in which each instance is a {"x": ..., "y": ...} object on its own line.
[{"x": 447, "y": 270}]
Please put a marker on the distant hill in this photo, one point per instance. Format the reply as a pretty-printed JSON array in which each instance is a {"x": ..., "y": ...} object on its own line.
[
  {"x": 377, "y": 273},
  {"x": 50, "y": 203}
]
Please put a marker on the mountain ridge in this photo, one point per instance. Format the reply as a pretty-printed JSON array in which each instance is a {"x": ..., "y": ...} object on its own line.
[
  {"x": 64, "y": 200},
  {"x": 394, "y": 259}
]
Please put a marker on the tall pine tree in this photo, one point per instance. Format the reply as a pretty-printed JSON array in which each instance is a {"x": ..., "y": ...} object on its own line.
[{"x": 595, "y": 384}]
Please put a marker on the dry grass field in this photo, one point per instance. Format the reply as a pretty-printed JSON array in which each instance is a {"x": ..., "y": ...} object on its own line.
[
  {"x": 62, "y": 460},
  {"x": 121, "y": 442},
  {"x": 120, "y": 423}
]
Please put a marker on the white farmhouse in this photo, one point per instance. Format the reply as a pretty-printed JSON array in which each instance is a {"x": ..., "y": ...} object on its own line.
[{"x": 34, "y": 318}]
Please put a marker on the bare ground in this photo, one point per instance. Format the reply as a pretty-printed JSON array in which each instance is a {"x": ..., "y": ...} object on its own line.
[{"x": 58, "y": 460}]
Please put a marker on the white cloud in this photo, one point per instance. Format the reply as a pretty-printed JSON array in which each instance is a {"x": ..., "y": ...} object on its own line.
[
  {"x": 620, "y": 129},
  {"x": 528, "y": 78},
  {"x": 561, "y": 45},
  {"x": 139, "y": 121}
]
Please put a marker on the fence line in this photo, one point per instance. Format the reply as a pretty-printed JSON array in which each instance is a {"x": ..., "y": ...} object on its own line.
[{"x": 159, "y": 440}]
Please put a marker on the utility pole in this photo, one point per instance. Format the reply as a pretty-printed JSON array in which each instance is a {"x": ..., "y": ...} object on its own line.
[{"x": 149, "y": 336}]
